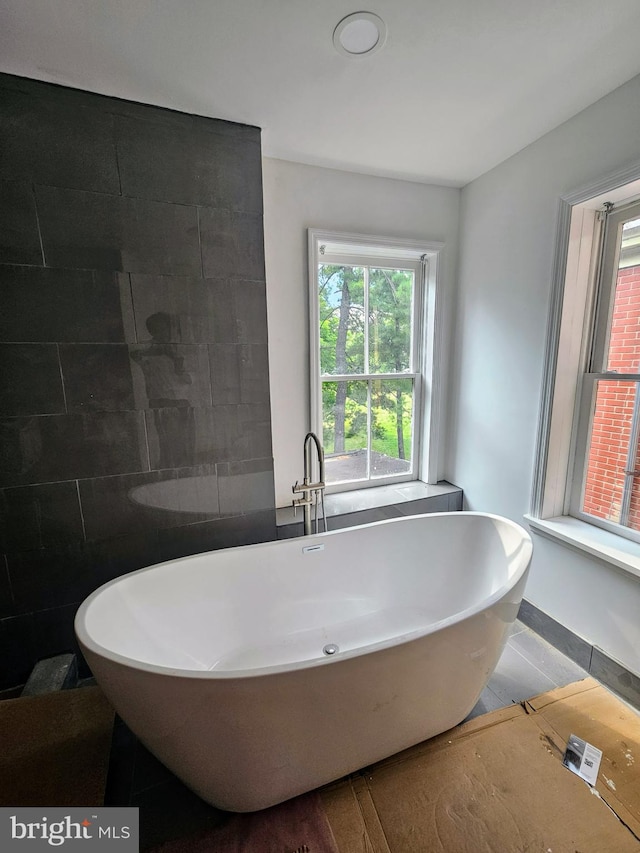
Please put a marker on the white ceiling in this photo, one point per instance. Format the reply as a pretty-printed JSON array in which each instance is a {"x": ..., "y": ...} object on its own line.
[{"x": 459, "y": 86}]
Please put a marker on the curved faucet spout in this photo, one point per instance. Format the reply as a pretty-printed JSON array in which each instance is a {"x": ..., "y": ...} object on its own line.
[
  {"x": 309, "y": 437},
  {"x": 312, "y": 492}
]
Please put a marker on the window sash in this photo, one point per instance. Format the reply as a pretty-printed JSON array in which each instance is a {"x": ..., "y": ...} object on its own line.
[
  {"x": 353, "y": 377},
  {"x": 595, "y": 372},
  {"x": 415, "y": 325},
  {"x": 367, "y": 263},
  {"x": 370, "y": 478},
  {"x": 611, "y": 239},
  {"x": 386, "y": 253},
  {"x": 581, "y": 469}
]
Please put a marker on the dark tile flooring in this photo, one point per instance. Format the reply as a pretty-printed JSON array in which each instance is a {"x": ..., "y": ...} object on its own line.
[
  {"x": 168, "y": 810},
  {"x": 528, "y": 666}
]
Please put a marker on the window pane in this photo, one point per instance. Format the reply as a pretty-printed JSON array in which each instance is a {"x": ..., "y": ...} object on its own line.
[
  {"x": 344, "y": 430},
  {"x": 390, "y": 310},
  {"x": 341, "y": 299},
  {"x": 347, "y": 426},
  {"x": 610, "y": 492},
  {"x": 623, "y": 354},
  {"x": 391, "y": 420}
]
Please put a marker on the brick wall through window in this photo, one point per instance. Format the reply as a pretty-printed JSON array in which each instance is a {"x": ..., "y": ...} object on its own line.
[{"x": 614, "y": 412}]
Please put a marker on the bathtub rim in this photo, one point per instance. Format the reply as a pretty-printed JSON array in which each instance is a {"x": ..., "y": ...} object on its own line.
[{"x": 86, "y": 641}]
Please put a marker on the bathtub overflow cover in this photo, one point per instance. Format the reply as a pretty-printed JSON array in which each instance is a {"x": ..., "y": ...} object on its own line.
[{"x": 330, "y": 649}]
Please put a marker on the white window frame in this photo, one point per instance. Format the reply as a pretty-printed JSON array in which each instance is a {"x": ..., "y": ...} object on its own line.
[
  {"x": 605, "y": 274},
  {"x": 567, "y": 354},
  {"x": 359, "y": 249}
]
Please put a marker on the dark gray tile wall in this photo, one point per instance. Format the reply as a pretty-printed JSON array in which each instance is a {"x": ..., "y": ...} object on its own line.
[
  {"x": 134, "y": 394},
  {"x": 449, "y": 502}
]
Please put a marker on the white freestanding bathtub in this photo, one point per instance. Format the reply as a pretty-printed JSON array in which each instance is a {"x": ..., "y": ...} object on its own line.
[{"x": 216, "y": 661}]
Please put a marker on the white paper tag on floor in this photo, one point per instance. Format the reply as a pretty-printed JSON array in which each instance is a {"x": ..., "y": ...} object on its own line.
[{"x": 583, "y": 759}]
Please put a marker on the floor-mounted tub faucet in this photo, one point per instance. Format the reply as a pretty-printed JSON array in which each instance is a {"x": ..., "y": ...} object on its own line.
[{"x": 312, "y": 493}]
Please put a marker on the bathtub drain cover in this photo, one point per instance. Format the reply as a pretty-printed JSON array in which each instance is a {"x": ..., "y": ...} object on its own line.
[{"x": 330, "y": 649}]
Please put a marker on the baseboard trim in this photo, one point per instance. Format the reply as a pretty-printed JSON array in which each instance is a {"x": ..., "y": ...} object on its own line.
[{"x": 592, "y": 659}]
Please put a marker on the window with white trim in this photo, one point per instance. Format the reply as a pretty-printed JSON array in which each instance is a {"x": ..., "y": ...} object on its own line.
[
  {"x": 606, "y": 476},
  {"x": 372, "y": 336},
  {"x": 586, "y": 489}
]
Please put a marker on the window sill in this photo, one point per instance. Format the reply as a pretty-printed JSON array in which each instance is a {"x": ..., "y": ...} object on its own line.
[{"x": 601, "y": 544}]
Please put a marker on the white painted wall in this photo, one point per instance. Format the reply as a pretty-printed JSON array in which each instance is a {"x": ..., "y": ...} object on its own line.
[
  {"x": 296, "y": 198},
  {"x": 508, "y": 222}
]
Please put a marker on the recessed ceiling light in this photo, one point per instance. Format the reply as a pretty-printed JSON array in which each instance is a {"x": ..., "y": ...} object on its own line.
[{"x": 359, "y": 34}]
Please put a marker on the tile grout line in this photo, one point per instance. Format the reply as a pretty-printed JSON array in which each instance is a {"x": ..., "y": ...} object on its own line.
[
  {"x": 493, "y": 693},
  {"x": 531, "y": 663},
  {"x": 35, "y": 205},
  {"x": 555, "y": 650},
  {"x": 84, "y": 527}
]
